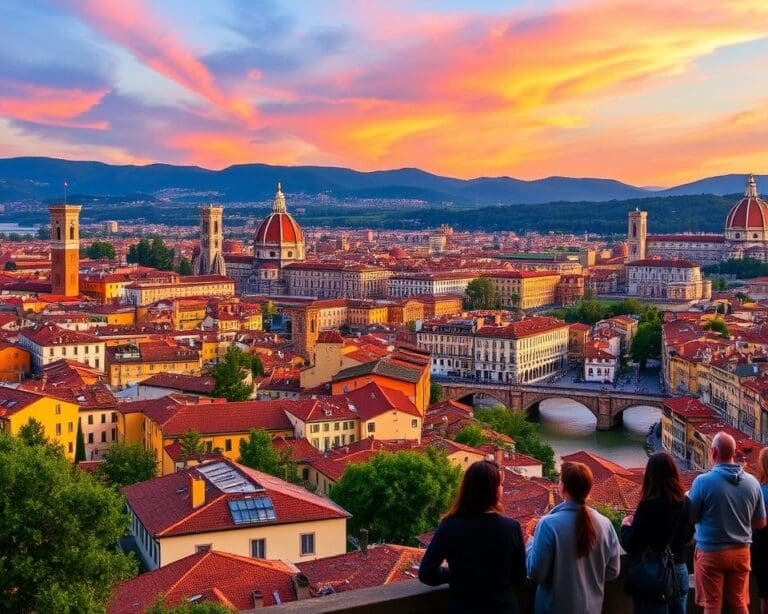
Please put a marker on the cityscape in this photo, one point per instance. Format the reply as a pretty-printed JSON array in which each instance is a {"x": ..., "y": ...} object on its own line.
[{"x": 275, "y": 282}]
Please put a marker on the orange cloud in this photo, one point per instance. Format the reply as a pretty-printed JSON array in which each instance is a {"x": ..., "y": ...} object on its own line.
[
  {"x": 51, "y": 106},
  {"x": 132, "y": 25}
]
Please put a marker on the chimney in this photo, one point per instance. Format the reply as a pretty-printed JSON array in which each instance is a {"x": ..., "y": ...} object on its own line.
[
  {"x": 301, "y": 586},
  {"x": 258, "y": 598},
  {"x": 196, "y": 490},
  {"x": 363, "y": 543}
]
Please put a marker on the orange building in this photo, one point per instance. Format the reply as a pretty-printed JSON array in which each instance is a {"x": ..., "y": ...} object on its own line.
[{"x": 15, "y": 362}]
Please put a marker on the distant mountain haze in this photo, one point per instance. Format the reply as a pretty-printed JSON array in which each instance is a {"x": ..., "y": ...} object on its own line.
[{"x": 43, "y": 178}]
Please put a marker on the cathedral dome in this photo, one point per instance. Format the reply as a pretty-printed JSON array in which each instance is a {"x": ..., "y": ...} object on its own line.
[
  {"x": 279, "y": 238},
  {"x": 748, "y": 219}
]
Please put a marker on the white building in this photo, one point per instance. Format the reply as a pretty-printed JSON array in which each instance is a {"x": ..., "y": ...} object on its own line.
[
  {"x": 49, "y": 343},
  {"x": 521, "y": 352},
  {"x": 403, "y": 286},
  {"x": 451, "y": 346},
  {"x": 667, "y": 279}
]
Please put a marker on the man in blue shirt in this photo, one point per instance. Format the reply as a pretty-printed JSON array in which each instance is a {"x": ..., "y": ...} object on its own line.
[{"x": 726, "y": 503}]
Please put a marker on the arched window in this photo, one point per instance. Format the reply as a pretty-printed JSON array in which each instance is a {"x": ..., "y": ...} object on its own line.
[
  {"x": 634, "y": 230},
  {"x": 72, "y": 232},
  {"x": 58, "y": 232},
  {"x": 216, "y": 227}
]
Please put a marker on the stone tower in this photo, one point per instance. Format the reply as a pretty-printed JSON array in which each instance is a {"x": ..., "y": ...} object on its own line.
[
  {"x": 65, "y": 249},
  {"x": 637, "y": 231},
  {"x": 210, "y": 261}
]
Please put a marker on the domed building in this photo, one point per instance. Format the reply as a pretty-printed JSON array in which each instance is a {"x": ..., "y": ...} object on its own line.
[
  {"x": 746, "y": 235},
  {"x": 746, "y": 227},
  {"x": 278, "y": 242}
]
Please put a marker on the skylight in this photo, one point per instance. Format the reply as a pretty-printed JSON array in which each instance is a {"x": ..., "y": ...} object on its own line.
[
  {"x": 245, "y": 511},
  {"x": 226, "y": 478}
]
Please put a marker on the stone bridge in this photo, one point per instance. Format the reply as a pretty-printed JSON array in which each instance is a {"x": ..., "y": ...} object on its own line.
[{"x": 607, "y": 406}]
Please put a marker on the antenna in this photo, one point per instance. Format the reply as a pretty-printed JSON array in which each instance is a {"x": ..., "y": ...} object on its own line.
[{"x": 66, "y": 185}]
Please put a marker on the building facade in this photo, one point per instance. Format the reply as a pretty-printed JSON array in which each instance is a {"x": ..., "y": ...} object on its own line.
[
  {"x": 667, "y": 279},
  {"x": 210, "y": 259},
  {"x": 65, "y": 249}
]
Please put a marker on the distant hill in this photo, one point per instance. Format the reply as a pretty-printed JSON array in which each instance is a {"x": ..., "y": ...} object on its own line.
[{"x": 43, "y": 178}]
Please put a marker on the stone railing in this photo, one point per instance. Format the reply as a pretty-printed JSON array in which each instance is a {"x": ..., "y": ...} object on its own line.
[{"x": 412, "y": 597}]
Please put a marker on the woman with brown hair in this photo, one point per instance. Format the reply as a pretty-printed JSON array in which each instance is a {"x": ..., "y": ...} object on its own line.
[
  {"x": 759, "y": 549},
  {"x": 662, "y": 519},
  {"x": 484, "y": 550},
  {"x": 574, "y": 550}
]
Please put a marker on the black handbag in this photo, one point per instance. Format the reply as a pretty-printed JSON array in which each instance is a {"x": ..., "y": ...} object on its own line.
[{"x": 652, "y": 576}]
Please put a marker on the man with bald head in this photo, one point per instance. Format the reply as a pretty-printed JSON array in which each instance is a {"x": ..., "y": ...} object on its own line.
[{"x": 726, "y": 503}]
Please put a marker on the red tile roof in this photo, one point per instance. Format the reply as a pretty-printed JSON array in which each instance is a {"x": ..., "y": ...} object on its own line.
[
  {"x": 689, "y": 407},
  {"x": 184, "y": 383},
  {"x": 372, "y": 400},
  {"x": 13, "y": 400},
  {"x": 380, "y": 565},
  {"x": 216, "y": 576},
  {"x": 75, "y": 382},
  {"x": 652, "y": 262},
  {"x": 50, "y": 335},
  {"x": 164, "y": 508}
]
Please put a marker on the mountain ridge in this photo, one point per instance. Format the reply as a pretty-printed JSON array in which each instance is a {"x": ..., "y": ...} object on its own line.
[{"x": 39, "y": 177}]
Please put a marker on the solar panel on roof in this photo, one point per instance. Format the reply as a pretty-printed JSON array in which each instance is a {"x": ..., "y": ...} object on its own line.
[
  {"x": 259, "y": 509},
  {"x": 226, "y": 478}
]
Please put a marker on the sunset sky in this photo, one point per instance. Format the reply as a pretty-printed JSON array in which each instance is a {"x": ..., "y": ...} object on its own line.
[{"x": 651, "y": 92}]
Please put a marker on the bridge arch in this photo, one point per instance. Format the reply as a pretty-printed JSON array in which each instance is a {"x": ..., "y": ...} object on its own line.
[{"x": 532, "y": 403}]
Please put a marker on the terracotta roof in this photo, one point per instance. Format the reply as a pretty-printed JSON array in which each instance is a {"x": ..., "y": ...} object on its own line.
[
  {"x": 330, "y": 336},
  {"x": 528, "y": 327},
  {"x": 689, "y": 407},
  {"x": 164, "y": 508},
  {"x": 75, "y": 382},
  {"x": 13, "y": 400},
  {"x": 279, "y": 228},
  {"x": 52, "y": 335},
  {"x": 384, "y": 367},
  {"x": 184, "y": 383},
  {"x": 601, "y": 467},
  {"x": 215, "y": 576},
  {"x": 652, "y": 262},
  {"x": 213, "y": 418},
  {"x": 380, "y": 565},
  {"x": 686, "y": 238},
  {"x": 373, "y": 400}
]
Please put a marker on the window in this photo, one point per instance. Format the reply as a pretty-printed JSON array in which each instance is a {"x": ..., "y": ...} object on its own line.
[
  {"x": 314, "y": 428},
  {"x": 90, "y": 418},
  {"x": 114, "y": 434},
  {"x": 103, "y": 436},
  {"x": 228, "y": 448},
  {"x": 114, "y": 416},
  {"x": 335, "y": 426},
  {"x": 414, "y": 423},
  {"x": 305, "y": 474},
  {"x": 254, "y": 509},
  {"x": 58, "y": 409},
  {"x": 259, "y": 548},
  {"x": 70, "y": 427},
  {"x": 103, "y": 418},
  {"x": 203, "y": 548},
  {"x": 371, "y": 427},
  {"x": 326, "y": 426},
  {"x": 307, "y": 543},
  {"x": 58, "y": 428}
]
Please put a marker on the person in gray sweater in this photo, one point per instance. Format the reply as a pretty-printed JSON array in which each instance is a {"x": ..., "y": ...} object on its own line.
[{"x": 574, "y": 550}]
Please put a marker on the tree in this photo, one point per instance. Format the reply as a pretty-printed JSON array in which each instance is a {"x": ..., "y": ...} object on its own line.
[
  {"x": 646, "y": 343},
  {"x": 397, "y": 496},
  {"x": 743, "y": 297},
  {"x": 58, "y": 534},
  {"x": 471, "y": 435},
  {"x": 10, "y": 266},
  {"x": 101, "y": 250},
  {"x": 611, "y": 513},
  {"x": 259, "y": 453},
  {"x": 154, "y": 254},
  {"x": 185, "y": 267},
  {"x": 44, "y": 233},
  {"x": 257, "y": 367},
  {"x": 80, "y": 444},
  {"x": 436, "y": 393},
  {"x": 127, "y": 463},
  {"x": 527, "y": 435},
  {"x": 481, "y": 294},
  {"x": 33, "y": 433},
  {"x": 203, "y": 607},
  {"x": 718, "y": 326},
  {"x": 230, "y": 375},
  {"x": 191, "y": 444}
]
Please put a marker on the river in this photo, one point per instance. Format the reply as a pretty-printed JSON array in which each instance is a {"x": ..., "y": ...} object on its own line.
[{"x": 569, "y": 427}]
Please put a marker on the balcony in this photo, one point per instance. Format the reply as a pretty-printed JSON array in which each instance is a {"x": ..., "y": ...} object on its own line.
[{"x": 412, "y": 597}]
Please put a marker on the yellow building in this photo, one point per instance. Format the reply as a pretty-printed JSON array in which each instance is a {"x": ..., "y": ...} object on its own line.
[
  {"x": 15, "y": 362},
  {"x": 131, "y": 363},
  {"x": 222, "y": 426},
  {"x": 525, "y": 289},
  {"x": 367, "y": 313},
  {"x": 144, "y": 293},
  {"x": 329, "y": 357},
  {"x": 224, "y": 506},
  {"x": 58, "y": 418}
]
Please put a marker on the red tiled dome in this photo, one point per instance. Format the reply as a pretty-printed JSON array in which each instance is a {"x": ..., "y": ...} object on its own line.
[
  {"x": 279, "y": 228},
  {"x": 750, "y": 213}
]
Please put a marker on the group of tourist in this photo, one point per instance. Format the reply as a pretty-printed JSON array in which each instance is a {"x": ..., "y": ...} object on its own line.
[{"x": 575, "y": 550}]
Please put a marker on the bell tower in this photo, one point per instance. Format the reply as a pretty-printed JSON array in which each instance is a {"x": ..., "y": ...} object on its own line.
[
  {"x": 65, "y": 249},
  {"x": 637, "y": 231},
  {"x": 211, "y": 259}
]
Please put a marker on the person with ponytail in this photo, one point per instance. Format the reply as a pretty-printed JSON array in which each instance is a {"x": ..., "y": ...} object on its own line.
[
  {"x": 485, "y": 551},
  {"x": 574, "y": 550}
]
